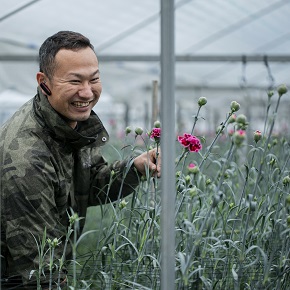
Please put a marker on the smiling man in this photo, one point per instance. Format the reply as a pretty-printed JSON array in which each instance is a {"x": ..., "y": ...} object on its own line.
[{"x": 50, "y": 158}]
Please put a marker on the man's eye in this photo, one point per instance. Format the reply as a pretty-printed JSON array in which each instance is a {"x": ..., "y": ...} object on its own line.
[
  {"x": 95, "y": 80},
  {"x": 74, "y": 81}
]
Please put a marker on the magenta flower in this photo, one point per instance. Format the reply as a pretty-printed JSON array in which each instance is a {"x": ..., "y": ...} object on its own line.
[
  {"x": 189, "y": 141},
  {"x": 155, "y": 134}
]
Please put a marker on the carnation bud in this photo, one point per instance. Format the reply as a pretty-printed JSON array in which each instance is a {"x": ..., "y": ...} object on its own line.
[
  {"x": 104, "y": 249},
  {"x": 157, "y": 124},
  {"x": 180, "y": 187},
  {"x": 288, "y": 199},
  {"x": 227, "y": 174},
  {"x": 242, "y": 119},
  {"x": 282, "y": 89},
  {"x": 257, "y": 136},
  {"x": 253, "y": 205},
  {"x": 250, "y": 197},
  {"x": 193, "y": 191},
  {"x": 270, "y": 94},
  {"x": 219, "y": 129},
  {"x": 151, "y": 212},
  {"x": 288, "y": 220},
  {"x": 202, "y": 101},
  {"x": 286, "y": 180},
  {"x": 73, "y": 218},
  {"x": 128, "y": 130},
  {"x": 123, "y": 204},
  {"x": 232, "y": 119},
  {"x": 239, "y": 136},
  {"x": 208, "y": 181},
  {"x": 217, "y": 198},
  {"x": 54, "y": 242},
  {"x": 272, "y": 161},
  {"x": 235, "y": 106},
  {"x": 139, "y": 131},
  {"x": 192, "y": 168},
  {"x": 187, "y": 179}
]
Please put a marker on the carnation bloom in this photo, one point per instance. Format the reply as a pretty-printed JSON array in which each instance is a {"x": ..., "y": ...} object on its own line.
[
  {"x": 155, "y": 134},
  {"x": 189, "y": 141}
]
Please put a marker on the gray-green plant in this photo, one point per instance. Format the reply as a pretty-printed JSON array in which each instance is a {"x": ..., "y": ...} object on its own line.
[{"x": 232, "y": 214}]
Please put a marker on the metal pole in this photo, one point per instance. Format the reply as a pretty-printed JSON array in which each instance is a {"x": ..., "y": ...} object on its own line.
[
  {"x": 167, "y": 146},
  {"x": 155, "y": 105}
]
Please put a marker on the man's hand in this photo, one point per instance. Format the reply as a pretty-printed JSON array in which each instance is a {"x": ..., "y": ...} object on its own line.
[{"x": 150, "y": 160}]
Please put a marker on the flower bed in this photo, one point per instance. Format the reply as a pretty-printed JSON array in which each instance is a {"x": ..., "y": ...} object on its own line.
[{"x": 232, "y": 213}]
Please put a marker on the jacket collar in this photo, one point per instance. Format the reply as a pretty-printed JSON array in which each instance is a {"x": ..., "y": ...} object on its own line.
[{"x": 91, "y": 131}]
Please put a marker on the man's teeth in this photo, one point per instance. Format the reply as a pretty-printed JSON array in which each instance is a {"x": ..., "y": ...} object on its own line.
[{"x": 81, "y": 104}]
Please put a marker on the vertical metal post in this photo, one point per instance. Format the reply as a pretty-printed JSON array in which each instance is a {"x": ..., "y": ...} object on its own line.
[
  {"x": 167, "y": 145},
  {"x": 155, "y": 105}
]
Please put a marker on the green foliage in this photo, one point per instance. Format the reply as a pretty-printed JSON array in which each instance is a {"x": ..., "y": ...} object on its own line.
[{"x": 232, "y": 218}]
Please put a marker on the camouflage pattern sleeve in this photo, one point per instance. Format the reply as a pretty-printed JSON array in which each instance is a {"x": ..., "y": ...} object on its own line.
[
  {"x": 105, "y": 183},
  {"x": 31, "y": 202},
  {"x": 113, "y": 182}
]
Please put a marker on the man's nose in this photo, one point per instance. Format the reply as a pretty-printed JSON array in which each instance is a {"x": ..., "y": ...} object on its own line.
[{"x": 86, "y": 91}]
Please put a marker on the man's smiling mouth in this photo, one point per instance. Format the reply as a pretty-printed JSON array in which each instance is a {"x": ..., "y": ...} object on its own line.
[{"x": 80, "y": 104}]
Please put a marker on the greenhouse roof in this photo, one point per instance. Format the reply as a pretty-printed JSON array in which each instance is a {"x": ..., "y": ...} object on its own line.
[{"x": 218, "y": 43}]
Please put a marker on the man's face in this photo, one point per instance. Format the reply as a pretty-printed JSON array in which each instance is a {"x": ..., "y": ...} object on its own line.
[{"x": 75, "y": 86}]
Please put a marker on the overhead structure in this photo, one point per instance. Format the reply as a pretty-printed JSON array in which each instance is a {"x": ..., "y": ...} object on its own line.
[{"x": 211, "y": 38}]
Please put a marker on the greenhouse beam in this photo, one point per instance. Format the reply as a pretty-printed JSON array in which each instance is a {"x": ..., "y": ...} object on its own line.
[{"x": 156, "y": 58}]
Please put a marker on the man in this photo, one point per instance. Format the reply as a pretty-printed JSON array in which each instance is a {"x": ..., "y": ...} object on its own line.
[{"x": 50, "y": 156}]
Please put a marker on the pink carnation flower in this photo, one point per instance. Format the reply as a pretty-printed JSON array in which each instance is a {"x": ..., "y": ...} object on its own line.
[
  {"x": 189, "y": 141},
  {"x": 155, "y": 134}
]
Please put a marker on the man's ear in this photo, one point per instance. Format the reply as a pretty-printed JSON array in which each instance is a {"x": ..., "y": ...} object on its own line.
[{"x": 40, "y": 77}]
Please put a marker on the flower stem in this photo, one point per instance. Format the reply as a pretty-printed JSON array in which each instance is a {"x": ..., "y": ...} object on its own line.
[{"x": 215, "y": 139}]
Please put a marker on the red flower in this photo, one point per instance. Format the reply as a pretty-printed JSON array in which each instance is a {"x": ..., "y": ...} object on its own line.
[
  {"x": 189, "y": 141},
  {"x": 155, "y": 134}
]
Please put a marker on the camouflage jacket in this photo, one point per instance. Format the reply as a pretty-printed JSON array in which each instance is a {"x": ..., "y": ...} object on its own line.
[{"x": 47, "y": 167}]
